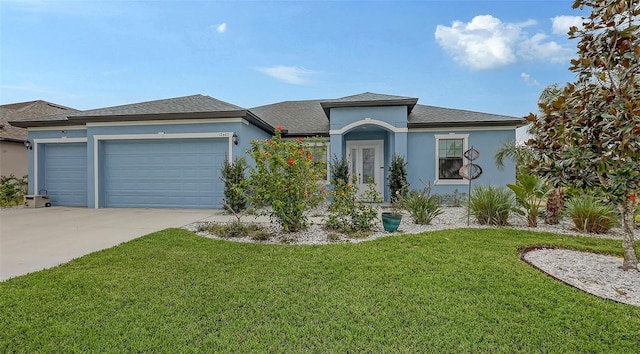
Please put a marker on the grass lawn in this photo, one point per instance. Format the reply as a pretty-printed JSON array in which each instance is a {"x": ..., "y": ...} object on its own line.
[{"x": 448, "y": 291}]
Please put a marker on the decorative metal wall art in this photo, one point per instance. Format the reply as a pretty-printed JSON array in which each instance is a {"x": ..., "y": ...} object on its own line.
[{"x": 470, "y": 171}]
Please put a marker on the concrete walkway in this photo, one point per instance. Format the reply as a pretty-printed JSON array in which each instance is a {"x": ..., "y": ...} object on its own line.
[{"x": 35, "y": 239}]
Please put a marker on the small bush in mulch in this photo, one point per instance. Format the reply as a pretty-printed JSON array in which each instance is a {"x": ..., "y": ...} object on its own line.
[
  {"x": 491, "y": 205},
  {"x": 236, "y": 229}
]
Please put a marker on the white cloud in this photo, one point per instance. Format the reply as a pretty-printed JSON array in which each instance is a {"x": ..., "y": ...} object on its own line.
[
  {"x": 561, "y": 24},
  {"x": 488, "y": 43},
  {"x": 289, "y": 74},
  {"x": 538, "y": 48},
  {"x": 221, "y": 28},
  {"x": 528, "y": 80}
]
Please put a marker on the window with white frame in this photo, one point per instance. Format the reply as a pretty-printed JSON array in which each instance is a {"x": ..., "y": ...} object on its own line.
[
  {"x": 316, "y": 149},
  {"x": 449, "y": 158}
]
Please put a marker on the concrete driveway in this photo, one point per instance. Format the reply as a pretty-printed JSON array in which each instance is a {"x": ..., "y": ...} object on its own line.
[{"x": 35, "y": 239}]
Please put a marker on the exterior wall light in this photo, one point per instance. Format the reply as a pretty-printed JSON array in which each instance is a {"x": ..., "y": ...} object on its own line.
[
  {"x": 27, "y": 144},
  {"x": 235, "y": 139}
]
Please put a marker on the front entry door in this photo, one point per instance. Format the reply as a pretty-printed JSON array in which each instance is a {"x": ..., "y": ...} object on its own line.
[{"x": 366, "y": 163}]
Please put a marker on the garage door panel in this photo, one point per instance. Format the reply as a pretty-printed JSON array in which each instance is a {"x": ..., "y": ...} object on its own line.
[
  {"x": 65, "y": 173},
  {"x": 180, "y": 173}
]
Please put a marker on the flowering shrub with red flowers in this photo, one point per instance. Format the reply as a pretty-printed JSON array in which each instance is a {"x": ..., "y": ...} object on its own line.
[{"x": 286, "y": 179}]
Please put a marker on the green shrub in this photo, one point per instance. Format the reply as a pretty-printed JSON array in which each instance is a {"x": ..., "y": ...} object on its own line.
[
  {"x": 233, "y": 177},
  {"x": 491, "y": 205},
  {"x": 590, "y": 214},
  {"x": 339, "y": 169},
  {"x": 422, "y": 206},
  {"x": 398, "y": 184},
  {"x": 12, "y": 190},
  {"x": 349, "y": 213}
]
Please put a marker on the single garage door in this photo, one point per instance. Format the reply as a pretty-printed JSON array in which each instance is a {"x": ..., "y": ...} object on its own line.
[
  {"x": 167, "y": 173},
  {"x": 65, "y": 173}
]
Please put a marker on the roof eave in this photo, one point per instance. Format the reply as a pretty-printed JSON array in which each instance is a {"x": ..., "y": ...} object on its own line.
[
  {"x": 41, "y": 123},
  {"x": 257, "y": 121},
  {"x": 501, "y": 123},
  {"x": 12, "y": 140},
  {"x": 78, "y": 118},
  {"x": 307, "y": 135}
]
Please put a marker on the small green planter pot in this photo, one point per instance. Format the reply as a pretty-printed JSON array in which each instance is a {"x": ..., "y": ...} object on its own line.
[{"x": 390, "y": 222}]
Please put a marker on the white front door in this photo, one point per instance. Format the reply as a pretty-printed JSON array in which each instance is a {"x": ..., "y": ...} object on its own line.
[{"x": 366, "y": 163}]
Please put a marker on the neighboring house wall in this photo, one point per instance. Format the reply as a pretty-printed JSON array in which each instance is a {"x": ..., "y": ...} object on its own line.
[
  {"x": 13, "y": 159},
  {"x": 422, "y": 159}
]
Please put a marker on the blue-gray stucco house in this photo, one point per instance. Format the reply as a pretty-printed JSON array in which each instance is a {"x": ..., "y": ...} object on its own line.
[{"x": 168, "y": 153}]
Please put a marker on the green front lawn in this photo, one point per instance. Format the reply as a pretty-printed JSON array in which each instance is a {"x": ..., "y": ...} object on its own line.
[{"x": 446, "y": 291}]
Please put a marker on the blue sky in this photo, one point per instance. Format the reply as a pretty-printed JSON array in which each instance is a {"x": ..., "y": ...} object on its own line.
[{"x": 488, "y": 56}]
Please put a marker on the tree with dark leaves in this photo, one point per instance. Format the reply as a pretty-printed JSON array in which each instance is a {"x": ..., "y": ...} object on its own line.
[{"x": 589, "y": 134}]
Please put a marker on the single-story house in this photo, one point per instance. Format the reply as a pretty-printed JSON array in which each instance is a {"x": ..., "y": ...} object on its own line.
[
  {"x": 13, "y": 155},
  {"x": 168, "y": 153}
]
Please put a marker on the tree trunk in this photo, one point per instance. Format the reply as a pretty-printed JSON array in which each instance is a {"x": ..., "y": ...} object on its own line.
[{"x": 630, "y": 261}]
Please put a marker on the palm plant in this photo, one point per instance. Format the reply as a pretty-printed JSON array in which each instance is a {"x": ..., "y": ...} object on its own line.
[{"x": 530, "y": 193}]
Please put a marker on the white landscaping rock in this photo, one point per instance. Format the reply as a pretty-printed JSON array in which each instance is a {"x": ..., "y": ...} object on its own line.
[{"x": 597, "y": 274}]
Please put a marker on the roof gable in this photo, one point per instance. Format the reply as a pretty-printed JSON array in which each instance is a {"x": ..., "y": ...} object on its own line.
[{"x": 369, "y": 99}]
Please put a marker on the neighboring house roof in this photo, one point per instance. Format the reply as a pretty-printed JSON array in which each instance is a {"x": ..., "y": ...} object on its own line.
[
  {"x": 25, "y": 111},
  {"x": 369, "y": 99}
]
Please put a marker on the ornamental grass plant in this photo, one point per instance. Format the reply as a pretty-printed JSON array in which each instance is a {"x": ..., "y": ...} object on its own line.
[
  {"x": 591, "y": 215},
  {"x": 491, "y": 205},
  {"x": 422, "y": 206}
]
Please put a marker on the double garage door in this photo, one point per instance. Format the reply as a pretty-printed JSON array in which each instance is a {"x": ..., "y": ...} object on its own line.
[{"x": 167, "y": 173}]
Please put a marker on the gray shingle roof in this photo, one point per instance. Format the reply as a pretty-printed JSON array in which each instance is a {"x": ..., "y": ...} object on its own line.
[
  {"x": 369, "y": 97},
  {"x": 195, "y": 106},
  {"x": 309, "y": 117},
  {"x": 27, "y": 111},
  {"x": 429, "y": 116},
  {"x": 297, "y": 117},
  {"x": 187, "y": 104}
]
